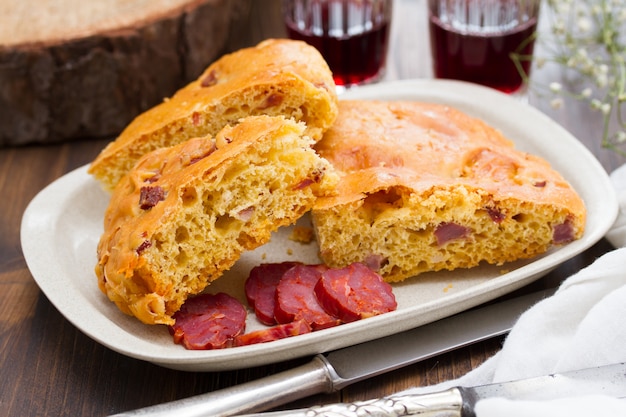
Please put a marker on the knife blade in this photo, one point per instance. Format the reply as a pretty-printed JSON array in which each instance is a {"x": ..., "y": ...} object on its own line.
[
  {"x": 609, "y": 380},
  {"x": 333, "y": 371}
]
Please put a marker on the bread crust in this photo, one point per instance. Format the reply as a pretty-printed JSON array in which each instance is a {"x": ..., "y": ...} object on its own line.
[
  {"x": 276, "y": 77},
  {"x": 425, "y": 187}
]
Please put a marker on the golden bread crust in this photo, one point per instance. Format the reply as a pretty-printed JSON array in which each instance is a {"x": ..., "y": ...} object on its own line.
[
  {"x": 184, "y": 214},
  {"x": 276, "y": 77},
  {"x": 412, "y": 172}
]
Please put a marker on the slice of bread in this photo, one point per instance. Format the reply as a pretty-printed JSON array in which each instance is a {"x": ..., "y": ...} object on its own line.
[
  {"x": 425, "y": 187},
  {"x": 184, "y": 214},
  {"x": 276, "y": 77}
]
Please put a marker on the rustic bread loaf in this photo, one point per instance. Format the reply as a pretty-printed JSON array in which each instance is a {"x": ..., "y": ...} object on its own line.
[
  {"x": 184, "y": 214},
  {"x": 425, "y": 187},
  {"x": 277, "y": 77}
]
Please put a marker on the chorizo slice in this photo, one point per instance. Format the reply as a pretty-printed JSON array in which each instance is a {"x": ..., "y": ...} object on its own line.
[
  {"x": 296, "y": 300},
  {"x": 260, "y": 288},
  {"x": 354, "y": 292},
  {"x": 209, "y": 321},
  {"x": 449, "y": 231},
  {"x": 280, "y": 331}
]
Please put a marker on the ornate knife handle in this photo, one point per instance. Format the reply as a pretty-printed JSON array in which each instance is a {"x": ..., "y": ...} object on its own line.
[{"x": 449, "y": 403}]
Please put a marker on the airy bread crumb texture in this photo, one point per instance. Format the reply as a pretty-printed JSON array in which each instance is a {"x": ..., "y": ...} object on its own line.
[
  {"x": 398, "y": 230},
  {"x": 276, "y": 77},
  {"x": 212, "y": 201},
  {"x": 425, "y": 187}
]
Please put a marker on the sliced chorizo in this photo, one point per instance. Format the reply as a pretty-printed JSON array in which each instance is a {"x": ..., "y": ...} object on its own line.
[
  {"x": 354, "y": 292},
  {"x": 449, "y": 231},
  {"x": 209, "y": 321},
  {"x": 296, "y": 300},
  {"x": 277, "y": 332},
  {"x": 260, "y": 288}
]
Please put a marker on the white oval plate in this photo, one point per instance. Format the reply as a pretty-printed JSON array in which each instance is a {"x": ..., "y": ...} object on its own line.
[{"x": 63, "y": 223}]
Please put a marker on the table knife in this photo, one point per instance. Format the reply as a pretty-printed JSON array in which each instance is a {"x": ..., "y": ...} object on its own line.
[
  {"x": 609, "y": 380},
  {"x": 335, "y": 370}
]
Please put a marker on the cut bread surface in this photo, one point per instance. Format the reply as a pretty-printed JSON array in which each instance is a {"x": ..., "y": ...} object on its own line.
[{"x": 184, "y": 214}]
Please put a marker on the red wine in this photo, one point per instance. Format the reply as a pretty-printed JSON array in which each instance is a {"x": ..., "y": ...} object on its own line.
[
  {"x": 353, "y": 59},
  {"x": 481, "y": 57}
]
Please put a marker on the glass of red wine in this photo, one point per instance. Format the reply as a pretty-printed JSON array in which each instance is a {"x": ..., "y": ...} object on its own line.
[
  {"x": 476, "y": 41},
  {"x": 351, "y": 35}
]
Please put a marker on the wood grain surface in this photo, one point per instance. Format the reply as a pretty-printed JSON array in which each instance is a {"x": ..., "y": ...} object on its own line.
[
  {"x": 49, "y": 368},
  {"x": 76, "y": 69}
]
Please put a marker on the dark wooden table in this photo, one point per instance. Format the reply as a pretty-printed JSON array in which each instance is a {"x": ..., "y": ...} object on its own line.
[{"x": 49, "y": 368}]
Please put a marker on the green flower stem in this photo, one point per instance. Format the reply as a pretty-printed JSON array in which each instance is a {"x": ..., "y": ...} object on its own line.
[{"x": 587, "y": 37}]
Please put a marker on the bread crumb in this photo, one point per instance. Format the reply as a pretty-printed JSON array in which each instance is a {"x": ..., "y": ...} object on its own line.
[
  {"x": 289, "y": 251},
  {"x": 302, "y": 234},
  {"x": 447, "y": 288}
]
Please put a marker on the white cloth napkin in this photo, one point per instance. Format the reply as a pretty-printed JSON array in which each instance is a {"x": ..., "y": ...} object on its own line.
[{"x": 582, "y": 325}]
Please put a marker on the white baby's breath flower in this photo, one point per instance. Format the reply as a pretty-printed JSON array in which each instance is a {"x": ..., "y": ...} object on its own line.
[
  {"x": 558, "y": 27},
  {"x": 540, "y": 62},
  {"x": 602, "y": 80},
  {"x": 555, "y": 87},
  {"x": 605, "y": 108},
  {"x": 588, "y": 38},
  {"x": 595, "y": 104},
  {"x": 556, "y": 103},
  {"x": 562, "y": 7},
  {"x": 596, "y": 10},
  {"x": 584, "y": 24}
]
